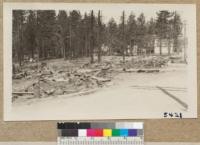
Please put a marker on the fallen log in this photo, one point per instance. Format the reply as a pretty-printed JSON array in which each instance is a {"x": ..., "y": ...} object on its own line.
[
  {"x": 106, "y": 68},
  {"x": 148, "y": 70},
  {"x": 142, "y": 70},
  {"x": 130, "y": 70},
  {"x": 86, "y": 92},
  {"x": 88, "y": 70},
  {"x": 19, "y": 75},
  {"x": 22, "y": 93},
  {"x": 100, "y": 79}
]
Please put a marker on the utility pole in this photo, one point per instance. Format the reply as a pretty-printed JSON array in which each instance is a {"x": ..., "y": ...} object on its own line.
[{"x": 185, "y": 42}]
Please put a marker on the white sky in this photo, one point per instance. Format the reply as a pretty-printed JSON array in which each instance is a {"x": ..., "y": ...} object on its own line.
[{"x": 111, "y": 10}]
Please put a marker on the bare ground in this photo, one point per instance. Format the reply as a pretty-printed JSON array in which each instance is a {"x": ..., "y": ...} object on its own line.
[{"x": 128, "y": 95}]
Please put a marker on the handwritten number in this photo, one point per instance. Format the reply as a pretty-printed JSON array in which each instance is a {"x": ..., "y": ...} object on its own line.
[{"x": 172, "y": 115}]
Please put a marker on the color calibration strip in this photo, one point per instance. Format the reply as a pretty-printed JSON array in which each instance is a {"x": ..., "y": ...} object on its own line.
[
  {"x": 120, "y": 133},
  {"x": 100, "y": 129}
]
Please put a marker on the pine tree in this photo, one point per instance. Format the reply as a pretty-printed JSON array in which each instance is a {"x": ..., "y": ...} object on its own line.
[
  {"x": 150, "y": 36},
  {"x": 86, "y": 24},
  {"x": 92, "y": 37},
  {"x": 162, "y": 26},
  {"x": 47, "y": 42},
  {"x": 63, "y": 24},
  {"x": 112, "y": 31},
  {"x": 123, "y": 35},
  {"x": 30, "y": 33},
  {"x": 176, "y": 30},
  {"x": 151, "y": 27},
  {"x": 141, "y": 32},
  {"x": 131, "y": 33},
  {"x": 18, "y": 25},
  {"x": 75, "y": 19},
  {"x": 99, "y": 36}
]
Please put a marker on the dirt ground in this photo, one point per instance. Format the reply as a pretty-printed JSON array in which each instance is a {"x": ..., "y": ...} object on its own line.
[{"x": 127, "y": 94}]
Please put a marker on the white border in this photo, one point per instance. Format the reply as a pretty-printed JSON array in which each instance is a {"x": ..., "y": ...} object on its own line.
[{"x": 189, "y": 13}]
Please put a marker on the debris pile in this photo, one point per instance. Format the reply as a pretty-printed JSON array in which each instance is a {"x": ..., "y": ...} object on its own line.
[
  {"x": 52, "y": 80},
  {"x": 152, "y": 62}
]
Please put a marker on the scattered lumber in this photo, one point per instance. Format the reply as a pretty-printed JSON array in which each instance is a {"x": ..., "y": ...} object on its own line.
[
  {"x": 101, "y": 79},
  {"x": 23, "y": 93},
  {"x": 130, "y": 70},
  {"x": 141, "y": 70},
  {"x": 52, "y": 80},
  {"x": 148, "y": 70},
  {"x": 83, "y": 92},
  {"x": 19, "y": 75}
]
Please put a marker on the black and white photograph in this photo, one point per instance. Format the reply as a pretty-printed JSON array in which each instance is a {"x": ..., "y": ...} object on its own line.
[{"x": 76, "y": 61}]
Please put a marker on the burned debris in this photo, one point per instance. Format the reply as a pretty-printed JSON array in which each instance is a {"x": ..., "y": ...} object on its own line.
[{"x": 66, "y": 52}]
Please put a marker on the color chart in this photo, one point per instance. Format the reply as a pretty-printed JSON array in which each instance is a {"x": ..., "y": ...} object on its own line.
[{"x": 123, "y": 133}]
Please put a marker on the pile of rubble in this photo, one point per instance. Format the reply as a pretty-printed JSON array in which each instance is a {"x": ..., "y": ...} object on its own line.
[
  {"x": 57, "y": 78},
  {"x": 51, "y": 82},
  {"x": 149, "y": 64}
]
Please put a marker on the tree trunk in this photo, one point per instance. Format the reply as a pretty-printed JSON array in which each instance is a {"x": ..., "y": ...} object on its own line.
[
  {"x": 32, "y": 53},
  {"x": 70, "y": 41},
  {"x": 85, "y": 51},
  {"x": 99, "y": 36},
  {"x": 92, "y": 38},
  {"x": 62, "y": 45},
  {"x": 160, "y": 46},
  {"x": 92, "y": 49},
  {"x": 42, "y": 50},
  {"x": 20, "y": 53},
  {"x": 123, "y": 35},
  {"x": 169, "y": 47},
  {"x": 175, "y": 44},
  {"x": 132, "y": 47}
]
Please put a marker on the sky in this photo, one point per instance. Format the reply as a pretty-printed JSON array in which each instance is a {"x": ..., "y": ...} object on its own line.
[
  {"x": 115, "y": 10},
  {"x": 112, "y": 10}
]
